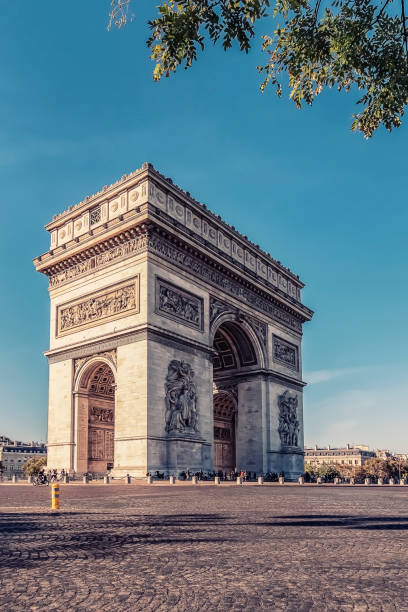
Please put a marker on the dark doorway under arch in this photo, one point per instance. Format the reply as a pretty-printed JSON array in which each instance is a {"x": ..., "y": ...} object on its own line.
[
  {"x": 225, "y": 410},
  {"x": 234, "y": 355}
]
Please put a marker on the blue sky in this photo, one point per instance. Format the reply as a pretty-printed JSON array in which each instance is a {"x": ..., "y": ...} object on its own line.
[{"x": 79, "y": 108}]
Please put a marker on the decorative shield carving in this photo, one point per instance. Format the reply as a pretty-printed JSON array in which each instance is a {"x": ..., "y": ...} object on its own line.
[
  {"x": 288, "y": 421},
  {"x": 217, "y": 308},
  {"x": 181, "y": 398}
]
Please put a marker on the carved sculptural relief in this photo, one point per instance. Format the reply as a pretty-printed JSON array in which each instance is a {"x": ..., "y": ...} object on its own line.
[
  {"x": 100, "y": 260},
  {"x": 120, "y": 300},
  {"x": 289, "y": 426},
  {"x": 217, "y": 308},
  {"x": 285, "y": 353},
  {"x": 217, "y": 278},
  {"x": 101, "y": 415},
  {"x": 181, "y": 399},
  {"x": 178, "y": 304}
]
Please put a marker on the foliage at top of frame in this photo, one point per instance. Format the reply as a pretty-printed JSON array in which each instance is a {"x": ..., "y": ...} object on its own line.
[{"x": 359, "y": 44}]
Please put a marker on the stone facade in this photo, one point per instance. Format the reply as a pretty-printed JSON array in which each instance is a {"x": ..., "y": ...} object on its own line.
[
  {"x": 194, "y": 331},
  {"x": 14, "y": 454},
  {"x": 348, "y": 455}
]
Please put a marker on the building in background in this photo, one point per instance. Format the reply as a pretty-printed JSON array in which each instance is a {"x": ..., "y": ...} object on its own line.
[
  {"x": 402, "y": 457},
  {"x": 14, "y": 454},
  {"x": 355, "y": 455},
  {"x": 383, "y": 453}
]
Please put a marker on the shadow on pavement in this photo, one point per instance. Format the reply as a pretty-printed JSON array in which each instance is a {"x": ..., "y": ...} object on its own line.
[{"x": 56, "y": 536}]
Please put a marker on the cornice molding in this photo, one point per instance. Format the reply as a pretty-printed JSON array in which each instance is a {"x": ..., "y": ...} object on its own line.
[
  {"x": 147, "y": 332},
  {"x": 284, "y": 451},
  {"x": 273, "y": 376},
  {"x": 150, "y": 237},
  {"x": 124, "y": 245},
  {"x": 174, "y": 250},
  {"x": 148, "y": 186}
]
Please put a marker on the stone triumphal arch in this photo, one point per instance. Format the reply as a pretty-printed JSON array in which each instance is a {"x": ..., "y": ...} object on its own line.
[{"x": 175, "y": 342}]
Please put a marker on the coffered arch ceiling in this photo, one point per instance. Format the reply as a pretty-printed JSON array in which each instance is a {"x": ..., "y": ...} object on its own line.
[
  {"x": 99, "y": 380},
  {"x": 233, "y": 347}
]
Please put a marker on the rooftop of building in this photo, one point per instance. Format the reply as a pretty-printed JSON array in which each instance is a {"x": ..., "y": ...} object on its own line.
[
  {"x": 347, "y": 447},
  {"x": 125, "y": 181},
  {"x": 8, "y": 443}
]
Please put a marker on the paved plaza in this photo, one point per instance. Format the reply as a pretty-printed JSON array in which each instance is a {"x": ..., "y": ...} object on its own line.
[{"x": 138, "y": 547}]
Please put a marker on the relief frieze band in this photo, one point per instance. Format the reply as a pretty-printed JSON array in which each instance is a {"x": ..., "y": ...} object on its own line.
[
  {"x": 203, "y": 270},
  {"x": 206, "y": 272},
  {"x": 147, "y": 186},
  {"x": 119, "y": 252},
  {"x": 179, "y": 304},
  {"x": 101, "y": 415},
  {"x": 120, "y": 300}
]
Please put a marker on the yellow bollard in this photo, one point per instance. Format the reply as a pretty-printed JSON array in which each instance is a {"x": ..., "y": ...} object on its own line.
[{"x": 55, "y": 497}]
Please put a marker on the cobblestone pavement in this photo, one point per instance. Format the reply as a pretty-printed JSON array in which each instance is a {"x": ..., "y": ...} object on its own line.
[{"x": 134, "y": 547}]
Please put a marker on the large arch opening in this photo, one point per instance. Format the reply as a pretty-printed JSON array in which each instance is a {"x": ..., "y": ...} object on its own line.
[
  {"x": 96, "y": 418},
  {"x": 235, "y": 354}
]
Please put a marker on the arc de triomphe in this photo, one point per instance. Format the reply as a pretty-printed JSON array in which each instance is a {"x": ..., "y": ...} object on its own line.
[{"x": 175, "y": 342}]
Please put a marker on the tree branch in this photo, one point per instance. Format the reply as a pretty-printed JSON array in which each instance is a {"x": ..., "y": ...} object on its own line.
[
  {"x": 404, "y": 26},
  {"x": 381, "y": 11}
]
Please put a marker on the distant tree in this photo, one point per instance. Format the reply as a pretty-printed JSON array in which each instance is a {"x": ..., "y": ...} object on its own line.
[
  {"x": 381, "y": 468},
  {"x": 310, "y": 472},
  {"x": 352, "y": 45},
  {"x": 374, "y": 468},
  {"x": 394, "y": 467},
  {"x": 328, "y": 472},
  {"x": 345, "y": 471},
  {"x": 359, "y": 473},
  {"x": 33, "y": 466},
  {"x": 403, "y": 469}
]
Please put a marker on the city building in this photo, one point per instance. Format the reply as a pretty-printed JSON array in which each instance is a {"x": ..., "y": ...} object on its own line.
[
  {"x": 14, "y": 454},
  {"x": 175, "y": 341},
  {"x": 383, "y": 453},
  {"x": 402, "y": 457},
  {"x": 355, "y": 455}
]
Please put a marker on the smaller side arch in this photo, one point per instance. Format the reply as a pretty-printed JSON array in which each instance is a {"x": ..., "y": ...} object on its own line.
[
  {"x": 85, "y": 369},
  {"x": 94, "y": 416}
]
